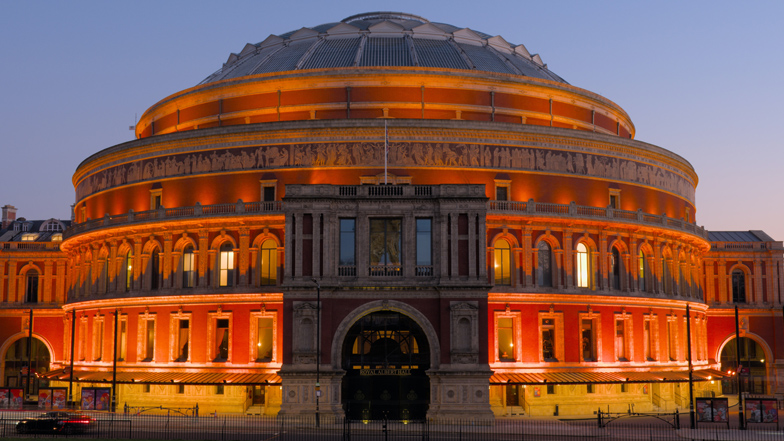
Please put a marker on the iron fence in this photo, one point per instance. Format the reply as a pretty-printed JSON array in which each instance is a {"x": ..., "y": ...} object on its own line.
[{"x": 270, "y": 428}]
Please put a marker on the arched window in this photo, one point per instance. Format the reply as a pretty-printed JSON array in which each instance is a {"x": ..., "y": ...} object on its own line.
[
  {"x": 128, "y": 265},
  {"x": 188, "y": 267},
  {"x": 615, "y": 269},
  {"x": 738, "y": 286},
  {"x": 226, "y": 265},
  {"x": 31, "y": 287},
  {"x": 544, "y": 270},
  {"x": 582, "y": 267},
  {"x": 503, "y": 272},
  {"x": 268, "y": 262},
  {"x": 155, "y": 269},
  {"x": 641, "y": 270}
]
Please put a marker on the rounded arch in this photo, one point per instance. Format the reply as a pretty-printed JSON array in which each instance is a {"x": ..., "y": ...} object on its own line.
[
  {"x": 385, "y": 305},
  {"x": 30, "y": 266},
  {"x": 587, "y": 241},
  {"x": 550, "y": 239},
  {"x": 646, "y": 249},
  {"x": 509, "y": 237},
  {"x": 183, "y": 242},
  {"x": 619, "y": 244},
  {"x": 265, "y": 236},
  {"x": 742, "y": 267},
  {"x": 221, "y": 239},
  {"x": 16, "y": 337},
  {"x": 756, "y": 338},
  {"x": 53, "y": 225},
  {"x": 103, "y": 252},
  {"x": 151, "y": 245},
  {"x": 124, "y": 248}
]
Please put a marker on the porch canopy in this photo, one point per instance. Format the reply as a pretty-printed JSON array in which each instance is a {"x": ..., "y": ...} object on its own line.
[
  {"x": 151, "y": 377},
  {"x": 595, "y": 377}
]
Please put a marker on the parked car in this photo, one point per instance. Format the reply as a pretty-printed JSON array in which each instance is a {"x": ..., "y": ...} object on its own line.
[{"x": 56, "y": 422}]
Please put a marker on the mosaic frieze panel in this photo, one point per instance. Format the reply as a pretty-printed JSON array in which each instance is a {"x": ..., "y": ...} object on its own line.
[{"x": 370, "y": 154}]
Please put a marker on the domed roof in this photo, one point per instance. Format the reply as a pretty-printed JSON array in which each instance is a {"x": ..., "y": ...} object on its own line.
[{"x": 384, "y": 39}]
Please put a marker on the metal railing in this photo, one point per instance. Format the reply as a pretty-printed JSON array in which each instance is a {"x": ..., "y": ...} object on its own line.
[{"x": 234, "y": 427}]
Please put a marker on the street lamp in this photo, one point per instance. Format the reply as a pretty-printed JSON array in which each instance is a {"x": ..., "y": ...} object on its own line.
[{"x": 318, "y": 347}]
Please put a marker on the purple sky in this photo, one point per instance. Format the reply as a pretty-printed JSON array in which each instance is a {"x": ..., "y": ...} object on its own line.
[{"x": 699, "y": 78}]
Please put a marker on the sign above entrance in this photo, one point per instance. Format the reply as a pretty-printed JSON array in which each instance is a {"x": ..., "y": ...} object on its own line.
[{"x": 397, "y": 372}]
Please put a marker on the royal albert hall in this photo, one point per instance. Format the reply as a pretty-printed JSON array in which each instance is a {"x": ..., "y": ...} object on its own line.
[{"x": 388, "y": 215}]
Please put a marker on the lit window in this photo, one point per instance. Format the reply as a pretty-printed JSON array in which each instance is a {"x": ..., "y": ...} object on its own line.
[
  {"x": 264, "y": 343},
  {"x": 29, "y": 237},
  {"x": 544, "y": 271},
  {"x": 82, "y": 338},
  {"x": 188, "y": 267},
  {"x": 347, "y": 262},
  {"x": 503, "y": 272},
  {"x": 57, "y": 237},
  {"x": 506, "y": 349},
  {"x": 738, "y": 286},
  {"x": 226, "y": 262},
  {"x": 583, "y": 267},
  {"x": 31, "y": 287},
  {"x": 424, "y": 245},
  {"x": 642, "y": 265},
  {"x": 128, "y": 267},
  {"x": 385, "y": 247},
  {"x": 269, "y": 262}
]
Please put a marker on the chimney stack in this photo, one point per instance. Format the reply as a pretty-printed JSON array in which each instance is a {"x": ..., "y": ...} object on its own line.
[{"x": 9, "y": 215}]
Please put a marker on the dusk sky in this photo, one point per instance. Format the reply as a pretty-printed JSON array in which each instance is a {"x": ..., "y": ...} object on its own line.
[{"x": 699, "y": 78}]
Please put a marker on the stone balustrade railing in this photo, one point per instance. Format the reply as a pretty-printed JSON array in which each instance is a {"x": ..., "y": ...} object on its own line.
[
  {"x": 528, "y": 208},
  {"x": 573, "y": 210},
  {"x": 30, "y": 246}
]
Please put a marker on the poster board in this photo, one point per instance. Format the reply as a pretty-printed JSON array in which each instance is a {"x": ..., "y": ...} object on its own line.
[
  {"x": 712, "y": 410},
  {"x": 11, "y": 398},
  {"x": 52, "y": 397},
  {"x": 96, "y": 398},
  {"x": 761, "y": 410}
]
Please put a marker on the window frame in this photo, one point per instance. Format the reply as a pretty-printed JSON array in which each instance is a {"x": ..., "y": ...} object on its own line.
[
  {"x": 212, "y": 319},
  {"x": 122, "y": 344},
  {"x": 506, "y": 276},
  {"x": 231, "y": 256},
  {"x": 268, "y": 183},
  {"x": 142, "y": 353},
  {"x": 272, "y": 263},
  {"x": 156, "y": 198},
  {"x": 506, "y": 185},
  {"x": 32, "y": 294},
  {"x": 99, "y": 336},
  {"x": 254, "y": 335},
  {"x": 558, "y": 339},
  {"x": 516, "y": 335},
  {"x": 343, "y": 269},
  {"x": 628, "y": 337},
  {"x": 174, "y": 331},
  {"x": 588, "y": 273},
  {"x": 596, "y": 333},
  {"x": 426, "y": 236},
  {"x": 190, "y": 275},
  {"x": 653, "y": 337}
]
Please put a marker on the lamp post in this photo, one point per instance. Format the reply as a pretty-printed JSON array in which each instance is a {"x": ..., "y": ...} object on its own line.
[
  {"x": 691, "y": 368},
  {"x": 318, "y": 347}
]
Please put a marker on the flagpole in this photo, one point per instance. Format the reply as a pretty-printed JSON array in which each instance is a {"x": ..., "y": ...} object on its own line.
[{"x": 386, "y": 150}]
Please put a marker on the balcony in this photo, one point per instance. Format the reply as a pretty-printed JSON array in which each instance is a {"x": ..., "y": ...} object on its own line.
[
  {"x": 163, "y": 214},
  {"x": 30, "y": 246},
  {"x": 531, "y": 208}
]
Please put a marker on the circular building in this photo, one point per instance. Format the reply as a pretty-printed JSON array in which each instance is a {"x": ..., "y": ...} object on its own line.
[{"x": 387, "y": 215}]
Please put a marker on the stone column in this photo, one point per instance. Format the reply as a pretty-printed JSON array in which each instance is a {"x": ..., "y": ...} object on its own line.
[
  {"x": 244, "y": 257},
  {"x": 168, "y": 276}
]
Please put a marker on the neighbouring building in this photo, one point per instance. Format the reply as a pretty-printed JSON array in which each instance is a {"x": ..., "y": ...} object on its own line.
[{"x": 484, "y": 238}]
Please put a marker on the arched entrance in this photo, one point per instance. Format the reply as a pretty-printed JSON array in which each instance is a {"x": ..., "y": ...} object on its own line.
[
  {"x": 386, "y": 356},
  {"x": 21, "y": 354},
  {"x": 752, "y": 371}
]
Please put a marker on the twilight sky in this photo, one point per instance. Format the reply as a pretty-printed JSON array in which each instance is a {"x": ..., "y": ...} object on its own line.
[{"x": 699, "y": 78}]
